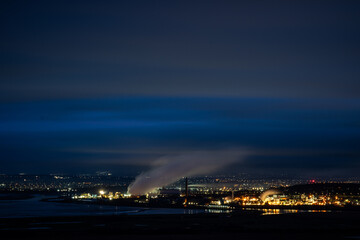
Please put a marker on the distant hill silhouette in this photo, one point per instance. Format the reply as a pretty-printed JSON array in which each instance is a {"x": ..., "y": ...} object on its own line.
[{"x": 324, "y": 188}]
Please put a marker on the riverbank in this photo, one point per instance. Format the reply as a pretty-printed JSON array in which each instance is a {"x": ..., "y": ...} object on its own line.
[{"x": 129, "y": 202}]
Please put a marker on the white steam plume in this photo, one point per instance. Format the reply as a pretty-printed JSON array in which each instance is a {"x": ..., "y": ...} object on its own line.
[
  {"x": 185, "y": 165},
  {"x": 269, "y": 192}
]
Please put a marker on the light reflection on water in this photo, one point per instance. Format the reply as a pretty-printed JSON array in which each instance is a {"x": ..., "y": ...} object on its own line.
[
  {"x": 217, "y": 211},
  {"x": 272, "y": 211},
  {"x": 268, "y": 211}
]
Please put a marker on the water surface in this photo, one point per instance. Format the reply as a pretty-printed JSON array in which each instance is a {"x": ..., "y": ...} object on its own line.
[{"x": 33, "y": 207}]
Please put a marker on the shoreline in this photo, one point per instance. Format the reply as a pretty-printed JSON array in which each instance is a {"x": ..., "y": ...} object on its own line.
[{"x": 213, "y": 207}]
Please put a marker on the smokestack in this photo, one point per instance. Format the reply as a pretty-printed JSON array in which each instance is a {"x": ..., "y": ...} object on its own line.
[{"x": 186, "y": 191}]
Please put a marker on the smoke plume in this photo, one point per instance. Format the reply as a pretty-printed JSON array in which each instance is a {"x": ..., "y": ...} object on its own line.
[
  {"x": 174, "y": 168},
  {"x": 269, "y": 192}
]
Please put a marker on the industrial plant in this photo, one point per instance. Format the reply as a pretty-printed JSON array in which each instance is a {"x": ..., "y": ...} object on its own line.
[{"x": 314, "y": 196}]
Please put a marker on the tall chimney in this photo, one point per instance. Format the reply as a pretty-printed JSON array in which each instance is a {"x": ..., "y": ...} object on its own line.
[{"x": 186, "y": 192}]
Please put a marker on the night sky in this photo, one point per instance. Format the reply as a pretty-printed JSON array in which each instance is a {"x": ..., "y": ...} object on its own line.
[{"x": 89, "y": 86}]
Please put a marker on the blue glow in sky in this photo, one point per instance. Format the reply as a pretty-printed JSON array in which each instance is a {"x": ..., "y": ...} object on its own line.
[
  {"x": 88, "y": 85},
  {"x": 114, "y": 133}
]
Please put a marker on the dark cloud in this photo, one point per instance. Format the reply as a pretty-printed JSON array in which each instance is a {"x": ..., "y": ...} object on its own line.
[{"x": 248, "y": 49}]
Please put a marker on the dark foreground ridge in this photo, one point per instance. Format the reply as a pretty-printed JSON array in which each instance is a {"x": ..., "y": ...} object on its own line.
[{"x": 240, "y": 225}]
